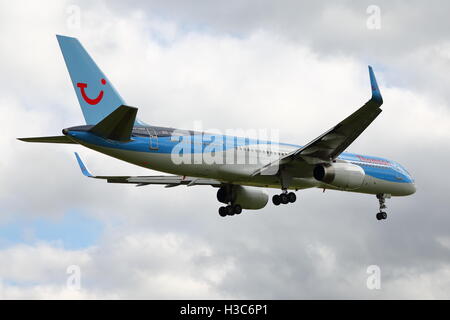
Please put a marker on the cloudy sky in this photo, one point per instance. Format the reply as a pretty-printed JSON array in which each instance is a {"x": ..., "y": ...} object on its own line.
[{"x": 297, "y": 67}]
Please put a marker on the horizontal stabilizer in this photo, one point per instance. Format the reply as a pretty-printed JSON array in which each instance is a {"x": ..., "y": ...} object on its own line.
[
  {"x": 117, "y": 125},
  {"x": 54, "y": 139}
]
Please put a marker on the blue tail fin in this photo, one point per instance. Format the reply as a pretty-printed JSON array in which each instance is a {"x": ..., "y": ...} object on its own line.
[{"x": 95, "y": 93}]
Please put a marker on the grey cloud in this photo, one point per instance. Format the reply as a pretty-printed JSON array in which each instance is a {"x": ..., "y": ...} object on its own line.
[{"x": 407, "y": 45}]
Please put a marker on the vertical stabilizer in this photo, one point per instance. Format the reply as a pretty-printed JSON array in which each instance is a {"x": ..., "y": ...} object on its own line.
[{"x": 95, "y": 93}]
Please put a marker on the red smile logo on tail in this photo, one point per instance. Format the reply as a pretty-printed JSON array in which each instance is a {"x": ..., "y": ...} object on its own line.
[{"x": 94, "y": 101}]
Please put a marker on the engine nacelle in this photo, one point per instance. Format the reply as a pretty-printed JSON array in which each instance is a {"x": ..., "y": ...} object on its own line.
[
  {"x": 341, "y": 175},
  {"x": 246, "y": 197}
]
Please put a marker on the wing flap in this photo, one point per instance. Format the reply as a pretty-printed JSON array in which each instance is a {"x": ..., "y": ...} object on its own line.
[{"x": 167, "y": 180}]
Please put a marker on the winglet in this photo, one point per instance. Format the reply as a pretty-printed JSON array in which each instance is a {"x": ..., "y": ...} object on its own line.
[
  {"x": 376, "y": 95},
  {"x": 83, "y": 168}
]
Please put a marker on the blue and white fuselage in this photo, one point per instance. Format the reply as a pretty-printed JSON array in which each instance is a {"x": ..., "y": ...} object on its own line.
[{"x": 157, "y": 152}]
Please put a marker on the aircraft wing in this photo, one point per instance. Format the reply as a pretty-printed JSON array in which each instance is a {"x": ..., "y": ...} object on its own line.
[
  {"x": 329, "y": 145},
  {"x": 167, "y": 180}
]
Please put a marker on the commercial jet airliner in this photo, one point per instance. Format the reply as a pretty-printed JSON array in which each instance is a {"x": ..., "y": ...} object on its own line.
[{"x": 238, "y": 167}]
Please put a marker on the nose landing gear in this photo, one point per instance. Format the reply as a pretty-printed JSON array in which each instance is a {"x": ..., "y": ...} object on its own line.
[{"x": 382, "y": 215}]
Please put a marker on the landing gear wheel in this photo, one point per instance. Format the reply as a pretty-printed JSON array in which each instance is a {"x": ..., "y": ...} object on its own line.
[
  {"x": 223, "y": 211},
  {"x": 237, "y": 209},
  {"x": 284, "y": 198},
  {"x": 381, "y": 215},
  {"x": 291, "y": 197},
  {"x": 230, "y": 211},
  {"x": 276, "y": 200}
]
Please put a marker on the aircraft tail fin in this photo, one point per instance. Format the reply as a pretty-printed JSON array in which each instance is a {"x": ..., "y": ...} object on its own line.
[
  {"x": 118, "y": 125},
  {"x": 95, "y": 93}
]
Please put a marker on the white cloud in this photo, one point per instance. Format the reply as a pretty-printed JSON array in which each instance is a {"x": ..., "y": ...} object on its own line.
[{"x": 134, "y": 265}]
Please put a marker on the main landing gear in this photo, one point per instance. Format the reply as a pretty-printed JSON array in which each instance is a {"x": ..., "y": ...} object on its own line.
[
  {"x": 284, "y": 198},
  {"x": 382, "y": 215},
  {"x": 230, "y": 210},
  {"x": 225, "y": 195}
]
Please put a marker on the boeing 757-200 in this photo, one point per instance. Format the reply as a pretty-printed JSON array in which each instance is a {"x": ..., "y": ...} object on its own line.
[{"x": 238, "y": 167}]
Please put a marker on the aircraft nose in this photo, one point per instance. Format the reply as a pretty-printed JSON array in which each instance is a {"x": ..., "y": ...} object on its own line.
[{"x": 411, "y": 188}]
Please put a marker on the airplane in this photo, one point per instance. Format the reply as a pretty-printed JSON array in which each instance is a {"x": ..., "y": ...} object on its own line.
[{"x": 238, "y": 167}]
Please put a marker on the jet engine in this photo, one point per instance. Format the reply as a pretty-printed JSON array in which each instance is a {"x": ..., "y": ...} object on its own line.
[
  {"x": 341, "y": 175},
  {"x": 246, "y": 197}
]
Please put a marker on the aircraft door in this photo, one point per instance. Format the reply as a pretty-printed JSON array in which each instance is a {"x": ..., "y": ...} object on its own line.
[{"x": 153, "y": 139}]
